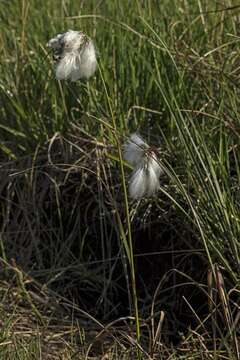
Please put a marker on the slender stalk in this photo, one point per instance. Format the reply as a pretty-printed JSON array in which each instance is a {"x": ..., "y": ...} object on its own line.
[{"x": 128, "y": 221}]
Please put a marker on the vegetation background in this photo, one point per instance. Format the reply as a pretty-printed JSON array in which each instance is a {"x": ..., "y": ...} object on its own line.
[{"x": 170, "y": 71}]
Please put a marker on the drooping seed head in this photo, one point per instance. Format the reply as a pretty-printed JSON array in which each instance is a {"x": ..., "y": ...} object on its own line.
[
  {"x": 144, "y": 180},
  {"x": 74, "y": 55}
]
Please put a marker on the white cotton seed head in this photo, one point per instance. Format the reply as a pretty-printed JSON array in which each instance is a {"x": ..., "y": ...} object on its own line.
[
  {"x": 138, "y": 184},
  {"x": 133, "y": 149},
  {"x": 152, "y": 181},
  {"x": 144, "y": 180},
  {"x": 88, "y": 61},
  {"x": 75, "y": 56},
  {"x": 154, "y": 163},
  {"x": 55, "y": 43},
  {"x": 72, "y": 40},
  {"x": 67, "y": 67},
  {"x": 67, "y": 42}
]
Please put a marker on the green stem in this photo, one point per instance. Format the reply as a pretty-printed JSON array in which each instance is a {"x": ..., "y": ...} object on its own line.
[{"x": 128, "y": 221}]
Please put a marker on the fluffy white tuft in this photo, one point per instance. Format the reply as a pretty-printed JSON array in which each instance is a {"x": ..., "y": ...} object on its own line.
[
  {"x": 74, "y": 54},
  {"x": 88, "y": 61},
  {"x": 153, "y": 163},
  {"x": 72, "y": 40},
  {"x": 55, "y": 43},
  {"x": 68, "y": 67},
  {"x": 144, "y": 180},
  {"x": 133, "y": 149},
  {"x": 152, "y": 181},
  {"x": 138, "y": 184}
]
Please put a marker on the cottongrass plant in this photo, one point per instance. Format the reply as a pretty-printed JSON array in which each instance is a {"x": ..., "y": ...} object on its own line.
[
  {"x": 144, "y": 180},
  {"x": 74, "y": 54}
]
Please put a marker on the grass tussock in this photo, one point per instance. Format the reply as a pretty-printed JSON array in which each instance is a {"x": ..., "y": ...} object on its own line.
[{"x": 85, "y": 271}]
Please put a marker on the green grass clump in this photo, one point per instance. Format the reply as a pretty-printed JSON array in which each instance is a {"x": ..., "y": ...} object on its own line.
[{"x": 170, "y": 70}]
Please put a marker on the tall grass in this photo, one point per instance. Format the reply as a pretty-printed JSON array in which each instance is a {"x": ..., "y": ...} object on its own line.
[{"x": 169, "y": 70}]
